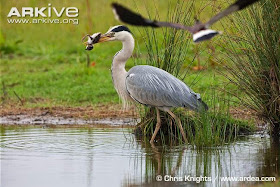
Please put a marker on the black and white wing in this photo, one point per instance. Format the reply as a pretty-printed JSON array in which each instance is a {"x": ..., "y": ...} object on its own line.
[
  {"x": 127, "y": 16},
  {"x": 200, "y": 31}
]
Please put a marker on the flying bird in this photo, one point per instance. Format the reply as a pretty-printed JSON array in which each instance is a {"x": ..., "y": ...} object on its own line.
[
  {"x": 147, "y": 85},
  {"x": 200, "y": 31}
]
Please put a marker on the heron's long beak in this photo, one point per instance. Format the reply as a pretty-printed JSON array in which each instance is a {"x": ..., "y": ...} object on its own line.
[{"x": 105, "y": 37}]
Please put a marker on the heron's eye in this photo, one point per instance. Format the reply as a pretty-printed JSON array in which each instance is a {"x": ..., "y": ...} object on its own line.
[{"x": 112, "y": 34}]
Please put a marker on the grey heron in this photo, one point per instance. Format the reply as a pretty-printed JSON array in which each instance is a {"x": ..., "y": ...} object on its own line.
[
  {"x": 145, "y": 84},
  {"x": 200, "y": 30}
]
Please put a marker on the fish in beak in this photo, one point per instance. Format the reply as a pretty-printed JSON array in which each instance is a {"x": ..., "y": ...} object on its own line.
[
  {"x": 92, "y": 39},
  {"x": 96, "y": 38}
]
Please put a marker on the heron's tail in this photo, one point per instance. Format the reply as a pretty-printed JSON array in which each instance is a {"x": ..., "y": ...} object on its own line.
[{"x": 202, "y": 106}]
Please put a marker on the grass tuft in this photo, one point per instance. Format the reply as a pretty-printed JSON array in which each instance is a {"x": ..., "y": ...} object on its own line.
[
  {"x": 254, "y": 65},
  {"x": 213, "y": 128}
]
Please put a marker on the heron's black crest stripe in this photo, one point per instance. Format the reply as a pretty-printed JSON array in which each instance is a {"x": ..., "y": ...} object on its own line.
[
  {"x": 121, "y": 28},
  {"x": 206, "y": 37},
  {"x": 244, "y": 3},
  {"x": 132, "y": 18}
]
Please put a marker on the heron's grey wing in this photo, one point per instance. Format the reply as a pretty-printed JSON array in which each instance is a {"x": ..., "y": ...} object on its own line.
[
  {"x": 155, "y": 87},
  {"x": 127, "y": 16},
  {"x": 238, "y": 5},
  {"x": 172, "y": 25}
]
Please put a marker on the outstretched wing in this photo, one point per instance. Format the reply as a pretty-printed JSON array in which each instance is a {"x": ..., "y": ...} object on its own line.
[
  {"x": 127, "y": 16},
  {"x": 155, "y": 87},
  {"x": 238, "y": 5}
]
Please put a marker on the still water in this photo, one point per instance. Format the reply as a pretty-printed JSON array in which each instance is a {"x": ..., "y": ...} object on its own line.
[{"x": 57, "y": 157}]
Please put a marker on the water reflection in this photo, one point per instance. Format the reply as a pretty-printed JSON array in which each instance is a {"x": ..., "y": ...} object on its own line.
[
  {"x": 113, "y": 157},
  {"x": 252, "y": 156},
  {"x": 270, "y": 156}
]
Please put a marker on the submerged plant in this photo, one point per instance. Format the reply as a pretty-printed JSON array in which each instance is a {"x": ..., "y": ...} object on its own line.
[{"x": 255, "y": 60}]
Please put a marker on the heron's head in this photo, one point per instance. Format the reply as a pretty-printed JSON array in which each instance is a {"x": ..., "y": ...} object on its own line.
[{"x": 119, "y": 32}]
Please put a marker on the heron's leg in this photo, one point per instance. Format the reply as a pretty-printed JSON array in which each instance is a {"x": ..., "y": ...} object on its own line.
[
  {"x": 157, "y": 127},
  {"x": 179, "y": 124}
]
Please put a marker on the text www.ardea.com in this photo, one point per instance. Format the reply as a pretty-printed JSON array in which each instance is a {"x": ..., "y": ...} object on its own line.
[
  {"x": 43, "y": 21},
  {"x": 198, "y": 179},
  {"x": 248, "y": 179}
]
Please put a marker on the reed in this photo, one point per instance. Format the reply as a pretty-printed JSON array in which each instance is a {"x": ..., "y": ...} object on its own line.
[{"x": 254, "y": 60}]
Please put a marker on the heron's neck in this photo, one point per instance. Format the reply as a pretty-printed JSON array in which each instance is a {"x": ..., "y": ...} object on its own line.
[
  {"x": 118, "y": 68},
  {"x": 123, "y": 55}
]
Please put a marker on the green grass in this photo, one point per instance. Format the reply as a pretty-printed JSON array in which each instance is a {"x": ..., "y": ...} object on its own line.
[{"x": 73, "y": 83}]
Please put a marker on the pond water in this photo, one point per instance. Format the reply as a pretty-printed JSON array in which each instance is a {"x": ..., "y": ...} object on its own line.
[{"x": 78, "y": 157}]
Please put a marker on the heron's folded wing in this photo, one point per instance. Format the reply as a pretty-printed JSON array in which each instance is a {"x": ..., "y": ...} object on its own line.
[{"x": 154, "y": 87}]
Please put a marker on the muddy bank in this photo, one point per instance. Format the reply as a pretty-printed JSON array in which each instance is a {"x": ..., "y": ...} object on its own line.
[
  {"x": 51, "y": 120},
  {"x": 97, "y": 111},
  {"x": 109, "y": 115}
]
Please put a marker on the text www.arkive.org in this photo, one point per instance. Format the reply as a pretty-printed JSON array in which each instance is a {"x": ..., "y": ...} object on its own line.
[{"x": 44, "y": 21}]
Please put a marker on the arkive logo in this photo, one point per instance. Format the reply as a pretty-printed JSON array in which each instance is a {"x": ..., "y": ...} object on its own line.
[
  {"x": 36, "y": 11},
  {"x": 45, "y": 15}
]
